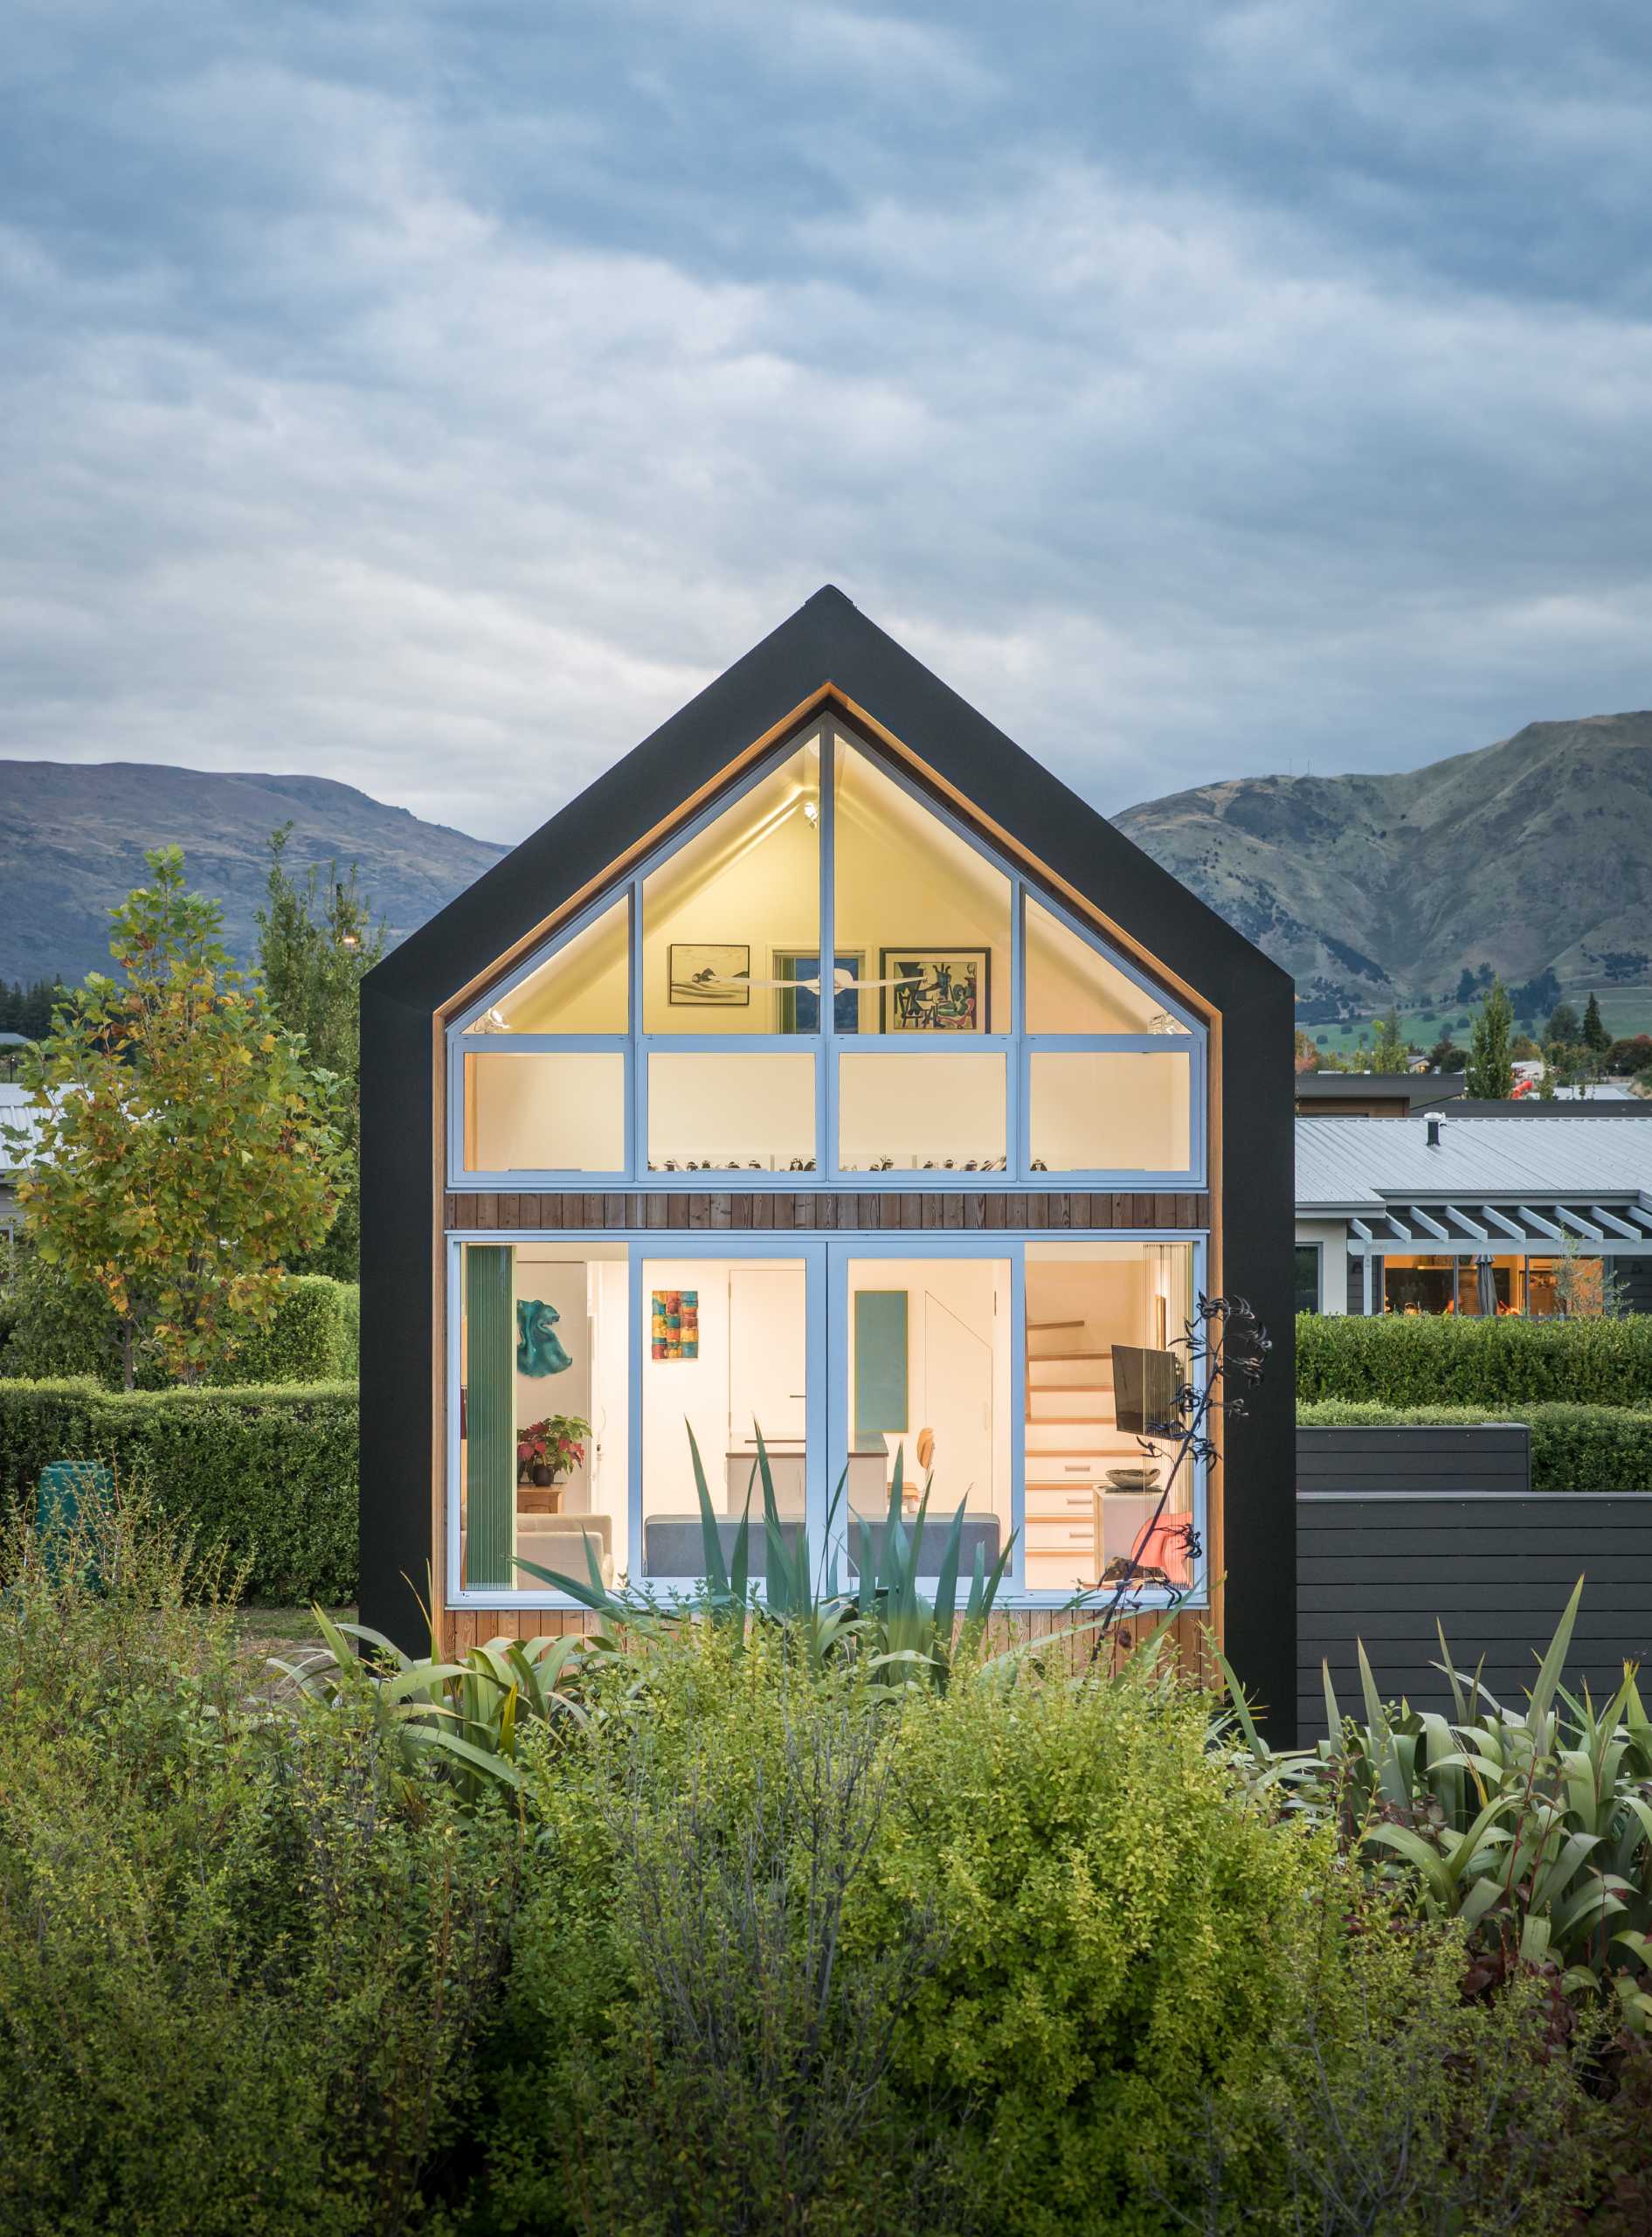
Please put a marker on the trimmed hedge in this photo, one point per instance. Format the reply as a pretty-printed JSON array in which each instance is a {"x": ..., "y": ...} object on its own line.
[
  {"x": 315, "y": 1336},
  {"x": 50, "y": 1330},
  {"x": 1425, "y": 1359},
  {"x": 269, "y": 1472},
  {"x": 1574, "y": 1448}
]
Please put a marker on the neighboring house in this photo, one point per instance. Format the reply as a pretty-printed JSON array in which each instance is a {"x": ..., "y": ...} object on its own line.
[
  {"x": 1373, "y": 1095},
  {"x": 15, "y": 1114},
  {"x": 826, "y": 1066},
  {"x": 12, "y": 1046},
  {"x": 1524, "y": 1210}
]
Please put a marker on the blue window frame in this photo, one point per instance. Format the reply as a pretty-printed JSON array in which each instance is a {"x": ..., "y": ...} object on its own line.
[
  {"x": 829, "y": 1439},
  {"x": 1093, "y": 1067}
]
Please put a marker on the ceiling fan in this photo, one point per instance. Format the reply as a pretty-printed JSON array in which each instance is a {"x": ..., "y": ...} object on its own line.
[{"x": 843, "y": 982}]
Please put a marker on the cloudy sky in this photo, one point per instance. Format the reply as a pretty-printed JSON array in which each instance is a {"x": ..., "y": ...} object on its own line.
[{"x": 434, "y": 394}]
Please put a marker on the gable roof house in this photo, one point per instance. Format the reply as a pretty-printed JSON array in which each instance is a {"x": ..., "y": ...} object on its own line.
[
  {"x": 1501, "y": 1211},
  {"x": 826, "y": 1067}
]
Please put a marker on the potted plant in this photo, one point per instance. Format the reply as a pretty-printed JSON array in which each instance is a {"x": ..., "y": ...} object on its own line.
[{"x": 548, "y": 1451}]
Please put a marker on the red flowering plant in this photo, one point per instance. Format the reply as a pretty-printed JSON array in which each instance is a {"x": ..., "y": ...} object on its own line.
[{"x": 557, "y": 1443}]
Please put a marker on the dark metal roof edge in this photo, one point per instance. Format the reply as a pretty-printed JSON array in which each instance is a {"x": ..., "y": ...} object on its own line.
[{"x": 827, "y": 641}]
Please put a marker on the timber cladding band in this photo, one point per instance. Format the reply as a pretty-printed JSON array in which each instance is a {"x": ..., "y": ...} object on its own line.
[{"x": 818, "y": 1211}]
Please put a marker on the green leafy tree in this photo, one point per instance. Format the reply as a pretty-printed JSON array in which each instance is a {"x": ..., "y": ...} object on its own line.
[
  {"x": 1563, "y": 1027},
  {"x": 1393, "y": 1051},
  {"x": 184, "y": 1150},
  {"x": 317, "y": 941},
  {"x": 1595, "y": 1036},
  {"x": 1490, "y": 1073}
]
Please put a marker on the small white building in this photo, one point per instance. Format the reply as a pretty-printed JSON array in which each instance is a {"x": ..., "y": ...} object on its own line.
[
  {"x": 17, "y": 1115},
  {"x": 1529, "y": 1211}
]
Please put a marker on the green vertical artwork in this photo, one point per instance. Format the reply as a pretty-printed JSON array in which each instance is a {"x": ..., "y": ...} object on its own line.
[
  {"x": 880, "y": 1363},
  {"x": 490, "y": 1415}
]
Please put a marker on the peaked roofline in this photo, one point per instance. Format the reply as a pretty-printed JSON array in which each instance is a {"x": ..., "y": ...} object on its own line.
[{"x": 828, "y": 646}]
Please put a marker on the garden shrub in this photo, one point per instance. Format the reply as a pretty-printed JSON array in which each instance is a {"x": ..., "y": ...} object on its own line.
[
  {"x": 51, "y": 1327},
  {"x": 1024, "y": 1958},
  {"x": 1429, "y": 1360},
  {"x": 241, "y": 1987},
  {"x": 1574, "y": 1448},
  {"x": 268, "y": 1474},
  {"x": 314, "y": 1337},
  {"x": 1069, "y": 1946}
]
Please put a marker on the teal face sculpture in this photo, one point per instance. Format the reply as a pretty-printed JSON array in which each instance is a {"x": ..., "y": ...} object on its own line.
[{"x": 539, "y": 1349}]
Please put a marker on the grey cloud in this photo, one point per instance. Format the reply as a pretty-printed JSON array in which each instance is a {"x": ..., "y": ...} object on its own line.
[{"x": 435, "y": 396}]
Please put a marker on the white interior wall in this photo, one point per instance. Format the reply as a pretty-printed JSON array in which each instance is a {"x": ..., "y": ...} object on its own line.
[
  {"x": 902, "y": 879},
  {"x": 940, "y": 1104},
  {"x": 752, "y": 878},
  {"x": 1072, "y": 988},
  {"x": 680, "y": 1393},
  {"x": 545, "y": 1111},
  {"x": 555, "y": 1278},
  {"x": 1111, "y": 1110},
  {"x": 967, "y": 1459},
  {"x": 726, "y": 1103},
  {"x": 584, "y": 987}
]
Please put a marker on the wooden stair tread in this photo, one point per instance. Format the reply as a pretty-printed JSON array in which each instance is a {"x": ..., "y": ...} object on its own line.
[{"x": 1042, "y": 1327}]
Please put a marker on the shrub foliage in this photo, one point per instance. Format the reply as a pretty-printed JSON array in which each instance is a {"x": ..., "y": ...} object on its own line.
[
  {"x": 1574, "y": 1448},
  {"x": 242, "y": 1982},
  {"x": 268, "y": 1474},
  {"x": 1423, "y": 1360}
]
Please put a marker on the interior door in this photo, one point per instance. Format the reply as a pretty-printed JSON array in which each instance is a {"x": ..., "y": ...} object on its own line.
[
  {"x": 767, "y": 1312},
  {"x": 956, "y": 1403}
]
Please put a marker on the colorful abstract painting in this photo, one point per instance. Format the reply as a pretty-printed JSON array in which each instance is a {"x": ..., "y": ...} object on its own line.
[{"x": 675, "y": 1325}]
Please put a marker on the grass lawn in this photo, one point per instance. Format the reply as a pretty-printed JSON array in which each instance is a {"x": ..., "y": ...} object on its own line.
[{"x": 1624, "y": 1011}]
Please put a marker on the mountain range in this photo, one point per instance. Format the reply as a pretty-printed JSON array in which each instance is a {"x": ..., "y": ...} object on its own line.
[
  {"x": 1531, "y": 854},
  {"x": 73, "y": 837},
  {"x": 1534, "y": 853}
]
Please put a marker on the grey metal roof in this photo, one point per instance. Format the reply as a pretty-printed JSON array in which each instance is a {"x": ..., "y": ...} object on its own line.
[
  {"x": 1355, "y": 1165},
  {"x": 15, "y": 1112}
]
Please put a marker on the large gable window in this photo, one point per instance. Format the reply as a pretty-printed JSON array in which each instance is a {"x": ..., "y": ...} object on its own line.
[{"x": 837, "y": 978}]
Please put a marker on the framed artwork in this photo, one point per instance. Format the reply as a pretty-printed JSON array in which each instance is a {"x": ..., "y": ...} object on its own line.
[
  {"x": 700, "y": 971},
  {"x": 800, "y": 1011},
  {"x": 675, "y": 1325},
  {"x": 934, "y": 989}
]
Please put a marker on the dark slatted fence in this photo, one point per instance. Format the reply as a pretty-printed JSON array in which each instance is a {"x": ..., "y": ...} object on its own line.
[{"x": 1397, "y": 1527}]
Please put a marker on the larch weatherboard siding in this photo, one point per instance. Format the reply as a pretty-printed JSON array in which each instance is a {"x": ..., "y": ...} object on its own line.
[
  {"x": 818, "y": 1211},
  {"x": 1051, "y": 1629}
]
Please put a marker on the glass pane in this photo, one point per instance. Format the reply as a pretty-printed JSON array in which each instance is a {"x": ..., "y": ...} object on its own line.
[
  {"x": 929, "y": 914},
  {"x": 582, "y": 988},
  {"x": 1111, "y": 1110},
  {"x": 544, "y": 1110},
  {"x": 725, "y": 1351},
  {"x": 929, "y": 1369},
  {"x": 718, "y": 1110},
  {"x": 1072, "y": 988},
  {"x": 1307, "y": 1277},
  {"x": 1419, "y": 1282},
  {"x": 725, "y": 917},
  {"x": 943, "y": 1111},
  {"x": 543, "y": 1417},
  {"x": 1093, "y": 1490}
]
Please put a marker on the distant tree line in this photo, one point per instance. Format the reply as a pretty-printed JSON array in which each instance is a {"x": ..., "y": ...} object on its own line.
[{"x": 28, "y": 1009}]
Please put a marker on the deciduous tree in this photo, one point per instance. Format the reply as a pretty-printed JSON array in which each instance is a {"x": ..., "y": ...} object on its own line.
[
  {"x": 185, "y": 1149},
  {"x": 315, "y": 943}
]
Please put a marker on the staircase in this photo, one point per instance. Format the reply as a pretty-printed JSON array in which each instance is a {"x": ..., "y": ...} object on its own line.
[{"x": 1072, "y": 1438}]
